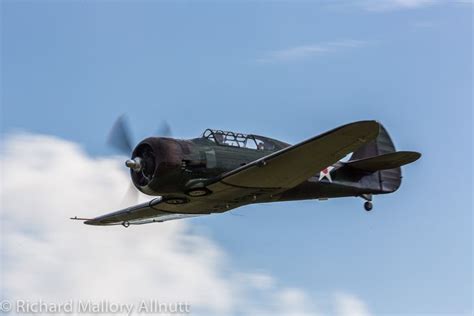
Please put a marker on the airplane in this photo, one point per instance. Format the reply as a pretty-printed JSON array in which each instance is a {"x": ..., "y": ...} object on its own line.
[{"x": 223, "y": 170}]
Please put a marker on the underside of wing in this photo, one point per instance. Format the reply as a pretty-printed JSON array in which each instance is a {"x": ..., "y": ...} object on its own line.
[
  {"x": 154, "y": 211},
  {"x": 168, "y": 208}
]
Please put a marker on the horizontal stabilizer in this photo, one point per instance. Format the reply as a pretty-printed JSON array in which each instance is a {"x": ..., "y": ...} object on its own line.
[{"x": 386, "y": 161}]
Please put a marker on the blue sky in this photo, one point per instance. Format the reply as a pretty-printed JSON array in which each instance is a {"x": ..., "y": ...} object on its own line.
[{"x": 290, "y": 71}]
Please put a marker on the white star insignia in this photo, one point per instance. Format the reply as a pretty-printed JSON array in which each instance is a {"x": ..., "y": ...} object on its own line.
[{"x": 326, "y": 173}]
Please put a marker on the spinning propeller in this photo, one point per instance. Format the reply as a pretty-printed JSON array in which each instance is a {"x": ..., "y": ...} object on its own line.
[{"x": 120, "y": 138}]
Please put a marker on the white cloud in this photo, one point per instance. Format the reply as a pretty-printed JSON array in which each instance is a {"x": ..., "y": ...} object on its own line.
[
  {"x": 347, "y": 304},
  {"x": 45, "y": 180},
  {"x": 307, "y": 51}
]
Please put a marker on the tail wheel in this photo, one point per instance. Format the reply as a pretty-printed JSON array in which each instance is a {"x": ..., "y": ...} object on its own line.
[{"x": 368, "y": 206}]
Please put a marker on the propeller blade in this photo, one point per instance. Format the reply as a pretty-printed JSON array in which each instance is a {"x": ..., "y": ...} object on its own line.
[
  {"x": 130, "y": 197},
  {"x": 120, "y": 136},
  {"x": 164, "y": 130}
]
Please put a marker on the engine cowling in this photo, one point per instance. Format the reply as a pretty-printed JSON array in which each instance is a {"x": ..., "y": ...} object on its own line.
[{"x": 155, "y": 166}]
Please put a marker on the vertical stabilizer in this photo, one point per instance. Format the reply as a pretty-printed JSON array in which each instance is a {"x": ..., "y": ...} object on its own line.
[{"x": 389, "y": 179}]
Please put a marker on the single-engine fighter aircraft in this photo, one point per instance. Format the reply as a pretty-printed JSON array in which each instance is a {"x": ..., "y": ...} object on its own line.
[{"x": 221, "y": 171}]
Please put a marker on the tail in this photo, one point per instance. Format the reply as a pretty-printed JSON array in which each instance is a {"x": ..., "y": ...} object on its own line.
[{"x": 380, "y": 159}]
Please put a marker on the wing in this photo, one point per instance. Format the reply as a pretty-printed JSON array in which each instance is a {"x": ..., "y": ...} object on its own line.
[
  {"x": 291, "y": 166},
  {"x": 259, "y": 181},
  {"x": 149, "y": 212}
]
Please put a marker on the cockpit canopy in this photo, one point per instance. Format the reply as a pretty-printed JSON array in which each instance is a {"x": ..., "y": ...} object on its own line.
[{"x": 226, "y": 138}]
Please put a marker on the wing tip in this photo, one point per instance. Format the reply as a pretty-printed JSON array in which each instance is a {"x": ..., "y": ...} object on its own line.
[
  {"x": 367, "y": 123},
  {"x": 369, "y": 127},
  {"x": 93, "y": 222},
  {"x": 87, "y": 221}
]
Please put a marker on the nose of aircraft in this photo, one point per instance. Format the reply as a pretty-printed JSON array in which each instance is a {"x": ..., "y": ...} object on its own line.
[
  {"x": 142, "y": 163},
  {"x": 135, "y": 164}
]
